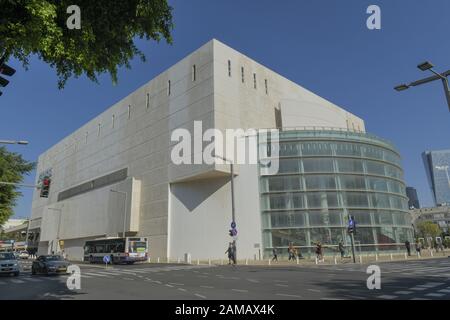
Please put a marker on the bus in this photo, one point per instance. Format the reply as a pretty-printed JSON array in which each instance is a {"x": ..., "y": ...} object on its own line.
[{"x": 120, "y": 250}]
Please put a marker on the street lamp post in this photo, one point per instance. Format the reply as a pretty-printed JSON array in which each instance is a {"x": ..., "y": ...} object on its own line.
[
  {"x": 125, "y": 210},
  {"x": 428, "y": 66},
  {"x": 59, "y": 223}
]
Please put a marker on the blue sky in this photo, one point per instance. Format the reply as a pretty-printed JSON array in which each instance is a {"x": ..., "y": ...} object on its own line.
[{"x": 323, "y": 45}]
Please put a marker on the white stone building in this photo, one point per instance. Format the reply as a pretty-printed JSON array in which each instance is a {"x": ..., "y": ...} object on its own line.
[{"x": 182, "y": 209}]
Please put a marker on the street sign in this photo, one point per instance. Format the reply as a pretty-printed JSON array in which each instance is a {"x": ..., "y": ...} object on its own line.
[
  {"x": 106, "y": 259},
  {"x": 233, "y": 225}
]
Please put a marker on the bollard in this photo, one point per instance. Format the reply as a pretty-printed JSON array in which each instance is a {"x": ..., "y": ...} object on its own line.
[
  {"x": 178, "y": 260},
  {"x": 392, "y": 258},
  {"x": 246, "y": 262},
  {"x": 360, "y": 260},
  {"x": 198, "y": 261},
  {"x": 269, "y": 262},
  {"x": 376, "y": 257},
  {"x": 298, "y": 260},
  {"x": 317, "y": 261},
  {"x": 209, "y": 262},
  {"x": 418, "y": 254},
  {"x": 431, "y": 252},
  {"x": 335, "y": 260},
  {"x": 158, "y": 259},
  {"x": 406, "y": 256}
]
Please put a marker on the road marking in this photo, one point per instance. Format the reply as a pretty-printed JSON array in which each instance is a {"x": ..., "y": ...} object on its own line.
[
  {"x": 85, "y": 276},
  {"x": 181, "y": 289},
  {"x": 253, "y": 280},
  {"x": 403, "y": 292},
  {"x": 281, "y": 285},
  {"x": 438, "y": 295},
  {"x": 176, "y": 284},
  {"x": 32, "y": 279},
  {"x": 1, "y": 282},
  {"x": 432, "y": 284},
  {"x": 96, "y": 274},
  {"x": 419, "y": 299},
  {"x": 207, "y": 287},
  {"x": 314, "y": 290},
  {"x": 387, "y": 297},
  {"x": 330, "y": 299},
  {"x": 239, "y": 290},
  {"x": 168, "y": 285},
  {"x": 200, "y": 296},
  {"x": 128, "y": 279},
  {"x": 287, "y": 295},
  {"x": 444, "y": 290},
  {"x": 158, "y": 282},
  {"x": 17, "y": 281},
  {"x": 418, "y": 288}
]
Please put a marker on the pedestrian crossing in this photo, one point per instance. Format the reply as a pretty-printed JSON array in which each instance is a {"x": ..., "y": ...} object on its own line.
[{"x": 106, "y": 273}]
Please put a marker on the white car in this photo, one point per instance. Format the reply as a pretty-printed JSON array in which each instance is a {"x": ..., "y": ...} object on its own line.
[{"x": 24, "y": 255}]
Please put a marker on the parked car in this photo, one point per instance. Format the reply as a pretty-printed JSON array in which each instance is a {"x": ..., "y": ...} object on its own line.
[
  {"x": 49, "y": 264},
  {"x": 24, "y": 255},
  {"x": 9, "y": 264}
]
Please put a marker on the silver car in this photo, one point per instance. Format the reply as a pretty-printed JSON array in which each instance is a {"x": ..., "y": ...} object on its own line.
[{"x": 9, "y": 264}]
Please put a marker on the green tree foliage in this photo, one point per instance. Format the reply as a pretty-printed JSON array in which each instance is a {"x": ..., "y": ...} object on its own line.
[
  {"x": 104, "y": 42},
  {"x": 12, "y": 169},
  {"x": 428, "y": 229}
]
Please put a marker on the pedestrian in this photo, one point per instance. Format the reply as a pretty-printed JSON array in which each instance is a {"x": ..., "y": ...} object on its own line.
[
  {"x": 341, "y": 248},
  {"x": 418, "y": 247},
  {"x": 408, "y": 247},
  {"x": 230, "y": 252},
  {"x": 275, "y": 254},
  {"x": 233, "y": 254},
  {"x": 291, "y": 252},
  {"x": 319, "y": 251}
]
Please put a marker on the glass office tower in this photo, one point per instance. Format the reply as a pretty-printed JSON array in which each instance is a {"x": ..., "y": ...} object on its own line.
[
  {"x": 325, "y": 176},
  {"x": 437, "y": 164}
]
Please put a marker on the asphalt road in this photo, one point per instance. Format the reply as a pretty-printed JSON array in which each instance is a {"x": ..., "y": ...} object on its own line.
[{"x": 423, "y": 279}]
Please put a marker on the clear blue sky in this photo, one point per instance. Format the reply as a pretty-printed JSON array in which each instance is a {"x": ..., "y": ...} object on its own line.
[{"x": 323, "y": 45}]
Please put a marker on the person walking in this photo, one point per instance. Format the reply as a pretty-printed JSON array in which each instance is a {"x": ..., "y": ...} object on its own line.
[
  {"x": 291, "y": 252},
  {"x": 418, "y": 247},
  {"x": 341, "y": 248},
  {"x": 233, "y": 252},
  {"x": 229, "y": 252},
  {"x": 408, "y": 247},
  {"x": 319, "y": 252},
  {"x": 275, "y": 254}
]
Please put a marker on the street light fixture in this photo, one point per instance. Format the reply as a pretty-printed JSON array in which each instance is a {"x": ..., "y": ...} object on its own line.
[
  {"x": 125, "y": 210},
  {"x": 428, "y": 66},
  {"x": 13, "y": 142}
]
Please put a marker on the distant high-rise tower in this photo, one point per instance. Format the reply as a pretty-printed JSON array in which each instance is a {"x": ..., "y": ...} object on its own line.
[
  {"x": 437, "y": 166},
  {"x": 413, "y": 202}
]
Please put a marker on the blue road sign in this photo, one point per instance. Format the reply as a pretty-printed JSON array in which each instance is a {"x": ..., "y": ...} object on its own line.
[
  {"x": 233, "y": 225},
  {"x": 106, "y": 259}
]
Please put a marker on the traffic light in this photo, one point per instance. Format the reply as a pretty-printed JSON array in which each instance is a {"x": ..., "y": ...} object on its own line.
[
  {"x": 351, "y": 225},
  {"x": 7, "y": 71},
  {"x": 45, "y": 188}
]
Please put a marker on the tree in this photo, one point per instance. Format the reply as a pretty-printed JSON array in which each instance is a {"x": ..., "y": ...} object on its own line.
[
  {"x": 428, "y": 229},
  {"x": 104, "y": 42},
  {"x": 12, "y": 169}
]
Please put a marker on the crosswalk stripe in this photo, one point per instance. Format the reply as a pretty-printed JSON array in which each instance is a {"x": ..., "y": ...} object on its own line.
[
  {"x": 17, "y": 281},
  {"x": 32, "y": 279},
  {"x": 95, "y": 274}
]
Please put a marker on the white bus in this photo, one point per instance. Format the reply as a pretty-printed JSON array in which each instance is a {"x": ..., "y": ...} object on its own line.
[{"x": 120, "y": 250}]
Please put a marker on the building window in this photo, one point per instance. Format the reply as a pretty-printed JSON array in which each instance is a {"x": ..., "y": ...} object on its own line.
[
  {"x": 194, "y": 73},
  {"x": 129, "y": 111},
  {"x": 113, "y": 120},
  {"x": 169, "y": 87},
  {"x": 229, "y": 68},
  {"x": 242, "y": 75},
  {"x": 254, "y": 80},
  {"x": 266, "y": 86},
  {"x": 147, "y": 101}
]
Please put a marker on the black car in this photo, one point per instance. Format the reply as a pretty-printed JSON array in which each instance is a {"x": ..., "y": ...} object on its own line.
[{"x": 50, "y": 264}]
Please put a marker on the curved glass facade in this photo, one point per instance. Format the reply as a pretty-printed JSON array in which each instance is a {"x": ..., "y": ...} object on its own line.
[{"x": 323, "y": 177}]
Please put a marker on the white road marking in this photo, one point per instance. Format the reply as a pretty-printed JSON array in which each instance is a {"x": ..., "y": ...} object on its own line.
[
  {"x": 444, "y": 291},
  {"x": 387, "y": 297},
  {"x": 438, "y": 295},
  {"x": 96, "y": 274},
  {"x": 239, "y": 290},
  {"x": 253, "y": 280},
  {"x": 128, "y": 279},
  {"x": 207, "y": 287},
  {"x": 176, "y": 284},
  {"x": 403, "y": 292},
  {"x": 287, "y": 295},
  {"x": 168, "y": 285},
  {"x": 314, "y": 290},
  {"x": 281, "y": 285},
  {"x": 17, "y": 281},
  {"x": 200, "y": 296},
  {"x": 181, "y": 289}
]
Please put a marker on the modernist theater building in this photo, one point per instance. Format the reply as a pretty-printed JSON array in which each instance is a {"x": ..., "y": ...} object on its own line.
[{"x": 329, "y": 167}]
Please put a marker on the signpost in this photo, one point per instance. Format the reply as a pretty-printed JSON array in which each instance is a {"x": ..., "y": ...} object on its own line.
[
  {"x": 351, "y": 229},
  {"x": 106, "y": 260}
]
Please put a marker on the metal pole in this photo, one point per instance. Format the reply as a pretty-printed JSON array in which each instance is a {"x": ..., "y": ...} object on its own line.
[
  {"x": 447, "y": 91},
  {"x": 125, "y": 215},
  {"x": 352, "y": 239},
  {"x": 232, "y": 193}
]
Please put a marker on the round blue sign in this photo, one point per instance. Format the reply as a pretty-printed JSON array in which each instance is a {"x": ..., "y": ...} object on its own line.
[
  {"x": 233, "y": 225},
  {"x": 106, "y": 259}
]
